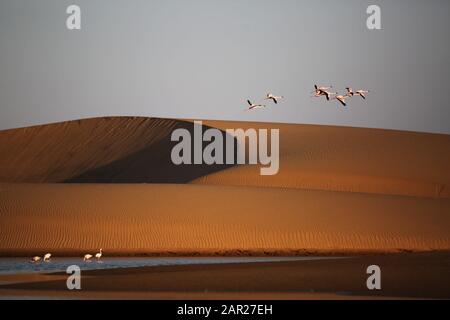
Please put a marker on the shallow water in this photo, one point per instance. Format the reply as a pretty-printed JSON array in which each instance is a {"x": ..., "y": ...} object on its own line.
[{"x": 22, "y": 265}]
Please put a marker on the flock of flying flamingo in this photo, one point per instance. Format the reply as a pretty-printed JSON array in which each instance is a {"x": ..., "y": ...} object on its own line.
[
  {"x": 323, "y": 91},
  {"x": 47, "y": 257},
  {"x": 319, "y": 91},
  {"x": 269, "y": 96}
]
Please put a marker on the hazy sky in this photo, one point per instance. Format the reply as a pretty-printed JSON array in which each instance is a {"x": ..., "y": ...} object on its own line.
[{"x": 202, "y": 59}]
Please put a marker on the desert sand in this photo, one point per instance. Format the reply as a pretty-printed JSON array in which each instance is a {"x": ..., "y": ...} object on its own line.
[
  {"x": 348, "y": 159},
  {"x": 70, "y": 219},
  {"x": 80, "y": 185}
]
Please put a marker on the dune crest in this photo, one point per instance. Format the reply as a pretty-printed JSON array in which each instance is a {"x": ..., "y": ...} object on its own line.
[
  {"x": 59, "y": 151},
  {"x": 98, "y": 150},
  {"x": 137, "y": 150},
  {"x": 348, "y": 160}
]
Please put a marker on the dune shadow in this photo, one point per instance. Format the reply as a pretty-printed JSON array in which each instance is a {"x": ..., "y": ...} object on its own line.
[{"x": 153, "y": 164}]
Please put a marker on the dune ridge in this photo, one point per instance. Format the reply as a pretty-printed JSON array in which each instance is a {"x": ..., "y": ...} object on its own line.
[
  {"x": 348, "y": 160},
  {"x": 137, "y": 150},
  {"x": 97, "y": 150},
  {"x": 59, "y": 151}
]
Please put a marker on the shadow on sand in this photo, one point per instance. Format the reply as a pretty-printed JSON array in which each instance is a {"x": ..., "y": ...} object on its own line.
[{"x": 153, "y": 164}]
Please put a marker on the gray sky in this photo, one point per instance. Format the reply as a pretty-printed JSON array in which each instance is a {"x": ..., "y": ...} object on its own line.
[{"x": 202, "y": 59}]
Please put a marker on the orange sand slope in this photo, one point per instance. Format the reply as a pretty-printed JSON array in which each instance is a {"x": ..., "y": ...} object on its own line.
[
  {"x": 348, "y": 159},
  {"x": 99, "y": 150},
  {"x": 59, "y": 151},
  {"x": 142, "y": 218}
]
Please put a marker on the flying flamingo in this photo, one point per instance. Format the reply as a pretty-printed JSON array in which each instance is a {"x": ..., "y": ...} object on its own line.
[
  {"x": 322, "y": 91},
  {"x": 341, "y": 99},
  {"x": 254, "y": 106},
  {"x": 47, "y": 257},
  {"x": 360, "y": 93},
  {"x": 327, "y": 94},
  {"x": 274, "y": 98},
  {"x": 322, "y": 88},
  {"x": 99, "y": 254}
]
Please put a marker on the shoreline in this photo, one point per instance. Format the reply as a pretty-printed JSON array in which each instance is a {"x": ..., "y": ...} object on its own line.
[
  {"x": 405, "y": 275},
  {"x": 27, "y": 253}
]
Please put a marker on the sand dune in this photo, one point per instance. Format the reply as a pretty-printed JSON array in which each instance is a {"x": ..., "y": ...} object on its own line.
[
  {"x": 136, "y": 150},
  {"x": 55, "y": 152},
  {"x": 99, "y": 150},
  {"x": 141, "y": 219},
  {"x": 349, "y": 159},
  {"x": 338, "y": 190}
]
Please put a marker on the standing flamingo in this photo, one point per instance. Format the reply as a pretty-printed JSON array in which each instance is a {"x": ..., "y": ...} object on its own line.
[
  {"x": 35, "y": 259},
  {"x": 99, "y": 254},
  {"x": 87, "y": 257}
]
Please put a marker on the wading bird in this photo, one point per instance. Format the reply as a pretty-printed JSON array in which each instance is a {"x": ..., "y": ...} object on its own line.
[
  {"x": 274, "y": 98},
  {"x": 99, "y": 254},
  {"x": 35, "y": 259},
  {"x": 87, "y": 257},
  {"x": 47, "y": 256},
  {"x": 254, "y": 106}
]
